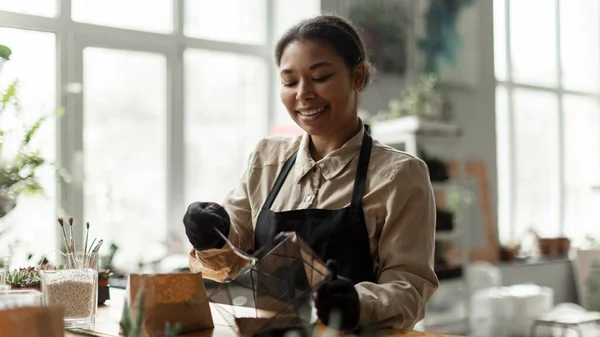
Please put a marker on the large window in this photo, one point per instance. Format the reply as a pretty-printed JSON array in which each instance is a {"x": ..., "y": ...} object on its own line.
[
  {"x": 164, "y": 100},
  {"x": 547, "y": 64}
]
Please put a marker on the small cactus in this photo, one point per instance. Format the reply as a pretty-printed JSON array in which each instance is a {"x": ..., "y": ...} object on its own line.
[
  {"x": 105, "y": 274},
  {"x": 132, "y": 326},
  {"x": 24, "y": 278}
]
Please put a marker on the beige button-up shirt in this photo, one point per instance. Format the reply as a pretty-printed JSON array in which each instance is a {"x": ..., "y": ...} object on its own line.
[{"x": 399, "y": 210}]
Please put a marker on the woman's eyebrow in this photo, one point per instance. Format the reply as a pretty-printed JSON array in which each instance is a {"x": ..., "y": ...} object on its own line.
[{"x": 312, "y": 67}]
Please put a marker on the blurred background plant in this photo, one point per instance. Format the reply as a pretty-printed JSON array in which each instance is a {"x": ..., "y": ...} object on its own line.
[
  {"x": 19, "y": 162},
  {"x": 5, "y": 53},
  {"x": 20, "y": 159},
  {"x": 427, "y": 99}
]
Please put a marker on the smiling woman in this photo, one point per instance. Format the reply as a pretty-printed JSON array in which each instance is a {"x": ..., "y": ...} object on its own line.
[
  {"x": 321, "y": 78},
  {"x": 360, "y": 205}
]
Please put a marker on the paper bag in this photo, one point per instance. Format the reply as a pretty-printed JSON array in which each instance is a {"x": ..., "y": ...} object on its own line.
[
  {"x": 170, "y": 298},
  {"x": 32, "y": 321}
]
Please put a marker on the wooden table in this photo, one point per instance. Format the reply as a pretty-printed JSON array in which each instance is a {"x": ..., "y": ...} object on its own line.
[{"x": 109, "y": 315}]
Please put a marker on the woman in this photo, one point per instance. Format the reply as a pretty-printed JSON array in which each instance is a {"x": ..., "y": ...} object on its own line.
[{"x": 332, "y": 181}]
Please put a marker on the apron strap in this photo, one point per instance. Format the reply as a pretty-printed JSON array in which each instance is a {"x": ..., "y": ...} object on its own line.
[
  {"x": 361, "y": 170},
  {"x": 287, "y": 167},
  {"x": 359, "y": 179}
]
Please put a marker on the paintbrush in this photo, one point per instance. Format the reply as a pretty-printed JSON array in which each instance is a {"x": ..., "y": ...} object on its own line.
[
  {"x": 87, "y": 234},
  {"x": 89, "y": 251},
  {"x": 62, "y": 226},
  {"x": 98, "y": 245},
  {"x": 71, "y": 234}
]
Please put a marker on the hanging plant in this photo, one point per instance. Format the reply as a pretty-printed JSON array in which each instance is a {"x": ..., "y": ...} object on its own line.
[
  {"x": 442, "y": 40},
  {"x": 19, "y": 161},
  {"x": 384, "y": 29},
  {"x": 5, "y": 53}
]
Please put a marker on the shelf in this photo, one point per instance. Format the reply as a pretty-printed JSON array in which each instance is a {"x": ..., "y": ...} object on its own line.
[
  {"x": 390, "y": 130},
  {"x": 446, "y": 235},
  {"x": 467, "y": 182},
  {"x": 445, "y": 184}
]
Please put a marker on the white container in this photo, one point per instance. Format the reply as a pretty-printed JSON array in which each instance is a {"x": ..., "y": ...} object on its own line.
[{"x": 508, "y": 311}]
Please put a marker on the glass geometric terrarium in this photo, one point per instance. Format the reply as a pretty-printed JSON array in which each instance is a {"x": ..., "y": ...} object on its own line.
[{"x": 273, "y": 295}]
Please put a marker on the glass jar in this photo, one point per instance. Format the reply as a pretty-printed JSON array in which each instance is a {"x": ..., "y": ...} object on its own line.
[{"x": 74, "y": 288}]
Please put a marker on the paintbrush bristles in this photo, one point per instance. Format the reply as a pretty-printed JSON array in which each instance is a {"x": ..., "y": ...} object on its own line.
[
  {"x": 62, "y": 226},
  {"x": 71, "y": 234}
]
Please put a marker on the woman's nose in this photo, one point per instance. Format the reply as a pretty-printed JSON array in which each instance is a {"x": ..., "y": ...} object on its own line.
[{"x": 305, "y": 91}]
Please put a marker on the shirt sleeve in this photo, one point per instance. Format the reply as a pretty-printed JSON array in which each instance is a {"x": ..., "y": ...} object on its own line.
[
  {"x": 405, "y": 251},
  {"x": 221, "y": 264}
]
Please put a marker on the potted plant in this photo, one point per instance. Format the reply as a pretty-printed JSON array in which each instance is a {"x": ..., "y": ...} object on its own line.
[
  {"x": 103, "y": 287},
  {"x": 24, "y": 278},
  {"x": 426, "y": 99},
  {"x": 104, "y": 277}
]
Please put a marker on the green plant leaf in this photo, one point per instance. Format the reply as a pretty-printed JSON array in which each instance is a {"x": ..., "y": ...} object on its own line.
[
  {"x": 32, "y": 130},
  {"x": 10, "y": 95},
  {"x": 5, "y": 52},
  {"x": 139, "y": 321},
  {"x": 59, "y": 111},
  {"x": 125, "y": 322},
  {"x": 31, "y": 187}
]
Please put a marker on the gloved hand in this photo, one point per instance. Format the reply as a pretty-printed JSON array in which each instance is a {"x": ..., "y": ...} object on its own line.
[
  {"x": 201, "y": 219},
  {"x": 337, "y": 301}
]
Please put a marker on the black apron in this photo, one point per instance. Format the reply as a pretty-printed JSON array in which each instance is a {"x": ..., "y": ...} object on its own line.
[{"x": 339, "y": 235}]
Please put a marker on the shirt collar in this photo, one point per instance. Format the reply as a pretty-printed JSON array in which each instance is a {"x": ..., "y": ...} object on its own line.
[{"x": 333, "y": 163}]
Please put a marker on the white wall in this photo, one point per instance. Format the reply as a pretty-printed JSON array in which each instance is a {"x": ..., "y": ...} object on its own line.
[{"x": 474, "y": 107}]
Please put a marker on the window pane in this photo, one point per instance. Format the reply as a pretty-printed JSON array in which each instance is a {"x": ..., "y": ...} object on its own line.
[
  {"x": 537, "y": 176},
  {"x": 34, "y": 230},
  {"x": 580, "y": 44},
  {"x": 153, "y": 16},
  {"x": 241, "y": 21},
  {"x": 287, "y": 13},
  {"x": 125, "y": 150},
  {"x": 533, "y": 43},
  {"x": 226, "y": 114},
  {"x": 500, "y": 43},
  {"x": 582, "y": 166},
  {"x": 34, "y": 7},
  {"x": 503, "y": 164}
]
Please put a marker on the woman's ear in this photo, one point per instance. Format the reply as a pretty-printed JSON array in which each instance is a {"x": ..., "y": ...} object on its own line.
[{"x": 359, "y": 76}]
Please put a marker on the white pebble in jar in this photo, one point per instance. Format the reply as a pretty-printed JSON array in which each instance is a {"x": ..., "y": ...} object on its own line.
[{"x": 74, "y": 290}]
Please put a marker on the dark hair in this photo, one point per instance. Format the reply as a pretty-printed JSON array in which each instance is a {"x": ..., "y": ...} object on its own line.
[{"x": 335, "y": 31}]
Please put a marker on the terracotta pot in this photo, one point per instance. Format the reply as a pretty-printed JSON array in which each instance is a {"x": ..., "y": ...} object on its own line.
[
  {"x": 103, "y": 294},
  {"x": 508, "y": 254},
  {"x": 564, "y": 245},
  {"x": 554, "y": 247}
]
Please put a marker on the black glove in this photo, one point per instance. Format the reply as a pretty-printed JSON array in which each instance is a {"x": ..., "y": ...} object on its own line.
[
  {"x": 201, "y": 219},
  {"x": 337, "y": 298}
]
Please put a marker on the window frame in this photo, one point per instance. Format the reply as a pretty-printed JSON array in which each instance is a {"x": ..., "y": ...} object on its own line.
[
  {"x": 72, "y": 37},
  {"x": 507, "y": 220}
]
